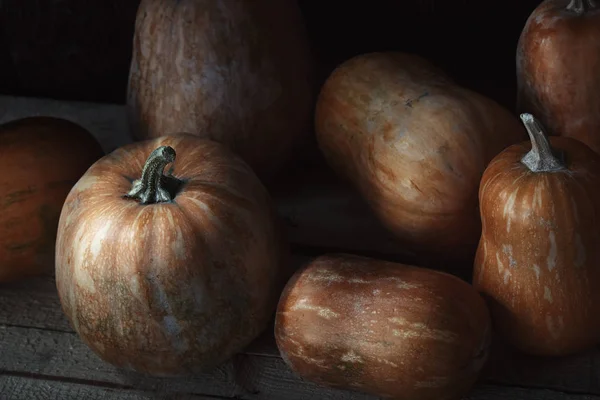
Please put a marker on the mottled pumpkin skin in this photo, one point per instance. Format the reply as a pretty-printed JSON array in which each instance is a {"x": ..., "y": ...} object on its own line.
[
  {"x": 415, "y": 145},
  {"x": 238, "y": 72},
  {"x": 170, "y": 288},
  {"x": 383, "y": 328},
  {"x": 538, "y": 261},
  {"x": 41, "y": 158},
  {"x": 558, "y": 59}
]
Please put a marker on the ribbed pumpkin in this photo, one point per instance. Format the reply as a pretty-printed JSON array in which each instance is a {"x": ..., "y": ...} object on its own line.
[
  {"x": 538, "y": 261},
  {"x": 237, "y": 72},
  {"x": 41, "y": 158},
  {"x": 169, "y": 274}
]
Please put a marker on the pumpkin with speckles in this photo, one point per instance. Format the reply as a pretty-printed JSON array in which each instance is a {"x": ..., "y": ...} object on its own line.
[
  {"x": 169, "y": 272},
  {"x": 558, "y": 64},
  {"x": 538, "y": 261},
  {"x": 382, "y": 328},
  {"x": 414, "y": 144},
  {"x": 41, "y": 158},
  {"x": 238, "y": 72}
]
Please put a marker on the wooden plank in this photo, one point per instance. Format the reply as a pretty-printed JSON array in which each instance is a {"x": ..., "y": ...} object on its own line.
[
  {"x": 572, "y": 374},
  {"x": 35, "y": 303},
  {"x": 26, "y": 388},
  {"x": 107, "y": 122},
  {"x": 62, "y": 356},
  {"x": 489, "y": 392}
]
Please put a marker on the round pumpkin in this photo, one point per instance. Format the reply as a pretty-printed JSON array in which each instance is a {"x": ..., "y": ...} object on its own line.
[
  {"x": 237, "y": 72},
  {"x": 538, "y": 258},
  {"x": 41, "y": 158},
  {"x": 169, "y": 273},
  {"x": 558, "y": 57},
  {"x": 387, "y": 329},
  {"x": 415, "y": 145}
]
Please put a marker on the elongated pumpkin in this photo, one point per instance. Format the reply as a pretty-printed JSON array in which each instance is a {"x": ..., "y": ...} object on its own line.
[
  {"x": 558, "y": 58},
  {"x": 383, "y": 328},
  {"x": 41, "y": 158},
  {"x": 169, "y": 274},
  {"x": 537, "y": 261},
  {"x": 237, "y": 72},
  {"x": 415, "y": 144}
]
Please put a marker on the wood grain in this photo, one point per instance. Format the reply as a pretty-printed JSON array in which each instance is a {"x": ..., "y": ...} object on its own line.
[
  {"x": 107, "y": 122},
  {"x": 34, "y": 304},
  {"x": 26, "y": 388},
  {"x": 62, "y": 355},
  {"x": 503, "y": 393}
]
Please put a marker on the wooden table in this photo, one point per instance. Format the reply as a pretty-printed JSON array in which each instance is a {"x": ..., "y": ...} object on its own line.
[{"x": 42, "y": 358}]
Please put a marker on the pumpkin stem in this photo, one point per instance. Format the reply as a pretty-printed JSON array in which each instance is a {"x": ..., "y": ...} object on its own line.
[
  {"x": 581, "y": 6},
  {"x": 154, "y": 187},
  {"x": 540, "y": 158}
]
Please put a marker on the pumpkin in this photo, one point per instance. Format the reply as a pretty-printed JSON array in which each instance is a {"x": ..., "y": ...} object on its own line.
[
  {"x": 169, "y": 273},
  {"x": 383, "y": 328},
  {"x": 414, "y": 144},
  {"x": 41, "y": 159},
  {"x": 237, "y": 72},
  {"x": 537, "y": 261},
  {"x": 558, "y": 57}
]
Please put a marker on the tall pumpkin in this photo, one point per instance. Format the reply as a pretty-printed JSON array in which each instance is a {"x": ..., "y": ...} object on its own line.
[
  {"x": 538, "y": 260},
  {"x": 558, "y": 59},
  {"x": 237, "y": 72},
  {"x": 169, "y": 274}
]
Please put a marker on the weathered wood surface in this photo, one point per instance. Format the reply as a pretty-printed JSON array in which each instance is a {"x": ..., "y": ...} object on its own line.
[
  {"x": 42, "y": 358},
  {"x": 40, "y": 388}
]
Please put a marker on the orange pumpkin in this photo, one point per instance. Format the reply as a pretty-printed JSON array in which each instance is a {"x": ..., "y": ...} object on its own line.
[
  {"x": 169, "y": 274},
  {"x": 415, "y": 144},
  {"x": 237, "y": 72},
  {"x": 383, "y": 328},
  {"x": 558, "y": 58},
  {"x": 41, "y": 159},
  {"x": 538, "y": 258}
]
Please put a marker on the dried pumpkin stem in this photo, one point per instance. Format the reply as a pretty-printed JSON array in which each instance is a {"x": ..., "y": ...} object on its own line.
[
  {"x": 581, "y": 6},
  {"x": 540, "y": 158},
  {"x": 150, "y": 188}
]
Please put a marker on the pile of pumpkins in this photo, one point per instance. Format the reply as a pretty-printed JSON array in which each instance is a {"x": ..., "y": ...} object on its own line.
[{"x": 169, "y": 254}]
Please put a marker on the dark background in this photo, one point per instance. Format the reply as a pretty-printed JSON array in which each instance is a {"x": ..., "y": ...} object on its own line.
[{"x": 81, "y": 49}]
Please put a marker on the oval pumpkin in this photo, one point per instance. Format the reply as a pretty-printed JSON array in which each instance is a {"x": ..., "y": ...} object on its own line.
[
  {"x": 237, "y": 72},
  {"x": 169, "y": 274},
  {"x": 415, "y": 145},
  {"x": 558, "y": 57},
  {"x": 383, "y": 328},
  {"x": 41, "y": 159},
  {"x": 537, "y": 261}
]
